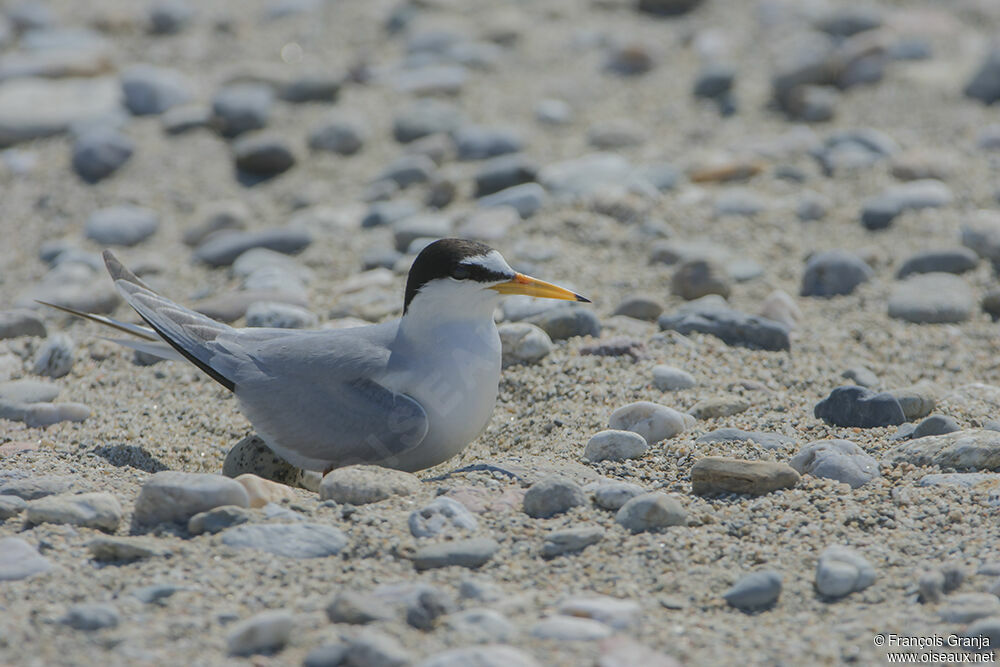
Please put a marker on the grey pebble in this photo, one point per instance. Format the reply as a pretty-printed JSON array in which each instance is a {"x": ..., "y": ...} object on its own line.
[
  {"x": 968, "y": 607},
  {"x": 385, "y": 213},
  {"x": 712, "y": 315},
  {"x": 571, "y": 540},
  {"x": 218, "y": 519},
  {"x": 841, "y": 460},
  {"x": 765, "y": 440},
  {"x": 651, "y": 511},
  {"x": 986, "y": 631},
  {"x": 586, "y": 174},
  {"x": 985, "y": 83},
  {"x": 505, "y": 171},
  {"x": 476, "y": 142},
  {"x": 523, "y": 342},
  {"x": 55, "y": 357},
  {"x": 568, "y": 321},
  {"x": 28, "y": 390},
  {"x": 611, "y": 495},
  {"x": 40, "y": 415},
  {"x": 712, "y": 475},
  {"x": 425, "y": 226},
  {"x": 917, "y": 401},
  {"x": 356, "y": 609},
  {"x": 950, "y": 260},
  {"x": 615, "y": 134},
  {"x": 880, "y": 211},
  {"x": 263, "y": 153},
  {"x": 615, "y": 445},
  {"x": 932, "y": 298},
  {"x": 169, "y": 17},
  {"x": 471, "y": 553},
  {"x": 365, "y": 484},
  {"x": 967, "y": 480},
  {"x": 114, "y": 549},
  {"x": 718, "y": 406},
  {"x": 91, "y": 616},
  {"x": 553, "y": 112},
  {"x": 834, "y": 273},
  {"x": 123, "y": 225},
  {"x": 289, "y": 540},
  {"x": 430, "y": 79},
  {"x": 242, "y": 107},
  {"x": 811, "y": 206},
  {"x": 695, "y": 278},
  {"x": 935, "y": 425},
  {"x": 311, "y": 87},
  {"x": 100, "y": 152},
  {"x": 265, "y": 632},
  {"x": 187, "y": 117},
  {"x": 20, "y": 560},
  {"x": 408, "y": 170},
  {"x": 617, "y": 613},
  {"x": 442, "y": 516},
  {"x": 857, "y": 406},
  {"x": 641, "y": 308},
  {"x": 425, "y": 117},
  {"x": 652, "y": 421},
  {"x": 337, "y": 135},
  {"x": 842, "y": 570},
  {"x": 156, "y": 593},
  {"x": 551, "y": 496},
  {"x": 32, "y": 488},
  {"x": 526, "y": 199},
  {"x": 11, "y": 506},
  {"x": 280, "y": 316},
  {"x": 741, "y": 202},
  {"x": 427, "y": 606},
  {"x": 758, "y": 590},
  {"x": 861, "y": 376},
  {"x": 222, "y": 249},
  {"x": 93, "y": 510},
  {"x": 375, "y": 649},
  {"x": 21, "y": 322},
  {"x": 568, "y": 628},
  {"x": 172, "y": 496},
  {"x": 151, "y": 90},
  {"x": 931, "y": 586},
  {"x": 481, "y": 625}
]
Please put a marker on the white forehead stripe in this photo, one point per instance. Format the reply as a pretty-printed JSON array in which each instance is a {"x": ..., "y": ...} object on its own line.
[{"x": 492, "y": 261}]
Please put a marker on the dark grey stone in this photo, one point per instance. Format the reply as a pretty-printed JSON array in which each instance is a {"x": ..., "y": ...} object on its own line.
[
  {"x": 935, "y": 425},
  {"x": 952, "y": 260},
  {"x": 526, "y": 199},
  {"x": 857, "y": 406},
  {"x": 223, "y": 249},
  {"x": 475, "y": 142},
  {"x": 471, "y": 553},
  {"x": 90, "y": 616},
  {"x": 100, "y": 152},
  {"x": 985, "y": 83},
  {"x": 242, "y": 107},
  {"x": 567, "y": 321},
  {"x": 425, "y": 117},
  {"x": 151, "y": 90},
  {"x": 758, "y": 590},
  {"x": 504, "y": 172},
  {"x": 732, "y": 326},
  {"x": 834, "y": 273},
  {"x": 263, "y": 153}
]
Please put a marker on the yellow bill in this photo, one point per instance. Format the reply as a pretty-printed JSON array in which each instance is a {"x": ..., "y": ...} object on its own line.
[{"x": 528, "y": 286}]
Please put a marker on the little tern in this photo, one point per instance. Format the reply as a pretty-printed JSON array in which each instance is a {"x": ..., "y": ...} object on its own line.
[{"x": 407, "y": 394}]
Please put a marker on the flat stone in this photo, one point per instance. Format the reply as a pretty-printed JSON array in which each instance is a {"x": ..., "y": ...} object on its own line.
[
  {"x": 223, "y": 249},
  {"x": 28, "y": 390},
  {"x": 765, "y": 440},
  {"x": 917, "y": 401},
  {"x": 11, "y": 506},
  {"x": 491, "y": 655},
  {"x": 985, "y": 83},
  {"x": 357, "y": 609},
  {"x": 505, "y": 171},
  {"x": 91, "y": 616},
  {"x": 668, "y": 378},
  {"x": 615, "y": 446},
  {"x": 20, "y": 560},
  {"x": 365, "y": 484},
  {"x": 640, "y": 307},
  {"x": 218, "y": 519},
  {"x": 337, "y": 135},
  {"x": 950, "y": 260},
  {"x": 722, "y": 406},
  {"x": 834, "y": 273},
  {"x": 100, "y": 152},
  {"x": 571, "y": 540},
  {"x": 583, "y": 175},
  {"x": 611, "y": 495},
  {"x": 34, "y": 108},
  {"x": 171, "y": 496},
  {"x": 33, "y": 488},
  {"x": 425, "y": 117},
  {"x": 442, "y": 516},
  {"x": 124, "y": 549},
  {"x": 290, "y": 540},
  {"x": 623, "y": 651},
  {"x": 124, "y": 225},
  {"x": 242, "y": 107},
  {"x": 266, "y": 632},
  {"x": 968, "y": 607},
  {"x": 567, "y": 321},
  {"x": 712, "y": 315},
  {"x": 651, "y": 511},
  {"x": 841, "y": 571},
  {"x": 841, "y": 460},
  {"x": 551, "y": 496},
  {"x": 151, "y": 90},
  {"x": 568, "y": 628},
  {"x": 263, "y": 153},
  {"x": 614, "y": 612},
  {"x": 471, "y": 553},
  {"x": 758, "y": 590},
  {"x": 526, "y": 199},
  {"x": 652, "y": 421},
  {"x": 935, "y": 425},
  {"x": 970, "y": 450},
  {"x": 716, "y": 474},
  {"x": 857, "y": 406},
  {"x": 932, "y": 298},
  {"x": 21, "y": 322},
  {"x": 231, "y": 306},
  {"x": 979, "y": 481},
  {"x": 91, "y": 510},
  {"x": 695, "y": 278}
]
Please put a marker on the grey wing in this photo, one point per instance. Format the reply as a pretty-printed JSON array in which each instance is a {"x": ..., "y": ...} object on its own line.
[{"x": 312, "y": 398}]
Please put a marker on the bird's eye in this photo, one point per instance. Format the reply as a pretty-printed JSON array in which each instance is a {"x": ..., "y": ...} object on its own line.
[{"x": 461, "y": 272}]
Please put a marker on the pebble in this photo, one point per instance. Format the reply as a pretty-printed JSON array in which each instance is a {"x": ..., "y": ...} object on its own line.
[
  {"x": 986, "y": 631},
  {"x": 290, "y": 540},
  {"x": 20, "y": 560},
  {"x": 568, "y": 321},
  {"x": 152, "y": 90},
  {"x": 834, "y": 273},
  {"x": 962, "y": 450},
  {"x": 92, "y": 510},
  {"x": 765, "y": 440},
  {"x": 242, "y": 107},
  {"x": 414, "y": 228},
  {"x": 614, "y": 612},
  {"x": 489, "y": 224},
  {"x": 263, "y": 153},
  {"x": 967, "y": 480},
  {"x": 185, "y": 118},
  {"x": 931, "y": 586},
  {"x": 932, "y": 298},
  {"x": 935, "y": 425},
  {"x": 218, "y": 519},
  {"x": 571, "y": 540},
  {"x": 21, "y": 322},
  {"x": 630, "y": 59},
  {"x": 780, "y": 307},
  {"x": 861, "y": 376},
  {"x": 280, "y": 316},
  {"x": 811, "y": 206},
  {"x": 652, "y": 421},
  {"x": 714, "y": 80},
  {"x": 365, "y": 484},
  {"x": 586, "y": 174},
  {"x": 712, "y": 315},
  {"x": 523, "y": 342},
  {"x": 615, "y": 134},
  {"x": 375, "y": 649},
  {"x": 311, "y": 87},
  {"x": 850, "y": 20},
  {"x": 33, "y": 488},
  {"x": 169, "y": 17},
  {"x": 440, "y": 80},
  {"x": 55, "y": 357},
  {"x": 881, "y": 210},
  {"x": 568, "y": 628},
  {"x": 263, "y": 491},
  {"x": 426, "y": 607},
  {"x": 222, "y": 249},
  {"x": 11, "y": 506},
  {"x": 156, "y": 593},
  {"x": 857, "y": 406},
  {"x": 481, "y": 625},
  {"x": 33, "y": 108},
  {"x": 696, "y": 278},
  {"x": 758, "y": 590},
  {"x": 476, "y": 142},
  {"x": 842, "y": 571},
  {"x": 741, "y": 202},
  {"x": 171, "y": 496},
  {"x": 491, "y": 655},
  {"x": 715, "y": 408},
  {"x": 408, "y": 170},
  {"x": 612, "y": 495},
  {"x": 337, "y": 135},
  {"x": 615, "y": 446},
  {"x": 551, "y": 496},
  {"x": 123, "y": 225},
  {"x": 442, "y": 517},
  {"x": 266, "y": 632},
  {"x": 112, "y": 549},
  {"x": 553, "y": 112},
  {"x": 917, "y": 401},
  {"x": 623, "y": 651},
  {"x": 641, "y": 308},
  {"x": 841, "y": 460},
  {"x": 650, "y": 512},
  {"x": 356, "y": 609},
  {"x": 40, "y": 415},
  {"x": 968, "y": 607},
  {"x": 471, "y": 553},
  {"x": 985, "y": 83},
  {"x": 100, "y": 152},
  {"x": 425, "y": 117},
  {"x": 505, "y": 171},
  {"x": 716, "y": 474},
  {"x": 217, "y": 216},
  {"x": 91, "y": 616},
  {"x": 526, "y": 199}
]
